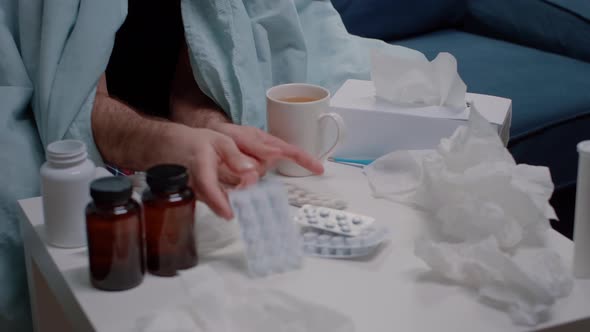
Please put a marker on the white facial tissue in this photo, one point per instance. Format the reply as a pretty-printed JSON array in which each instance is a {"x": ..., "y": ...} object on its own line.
[
  {"x": 219, "y": 304},
  {"x": 212, "y": 232},
  {"x": 485, "y": 211},
  {"x": 418, "y": 82},
  {"x": 525, "y": 284}
]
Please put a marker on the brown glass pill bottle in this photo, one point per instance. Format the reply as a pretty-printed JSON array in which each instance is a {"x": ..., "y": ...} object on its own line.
[
  {"x": 115, "y": 235},
  {"x": 169, "y": 210}
]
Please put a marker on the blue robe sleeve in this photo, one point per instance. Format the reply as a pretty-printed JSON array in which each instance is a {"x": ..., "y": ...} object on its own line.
[{"x": 52, "y": 54}]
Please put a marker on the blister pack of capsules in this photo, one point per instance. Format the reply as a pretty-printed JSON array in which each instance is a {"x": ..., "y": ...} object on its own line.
[
  {"x": 271, "y": 239},
  {"x": 333, "y": 233}
]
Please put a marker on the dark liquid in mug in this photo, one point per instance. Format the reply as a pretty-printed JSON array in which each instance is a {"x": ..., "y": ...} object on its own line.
[{"x": 299, "y": 99}]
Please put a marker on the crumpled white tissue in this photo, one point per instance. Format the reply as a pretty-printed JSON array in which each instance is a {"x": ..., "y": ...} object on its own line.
[
  {"x": 485, "y": 211},
  {"x": 416, "y": 81},
  {"x": 213, "y": 233},
  {"x": 218, "y": 304},
  {"x": 526, "y": 284}
]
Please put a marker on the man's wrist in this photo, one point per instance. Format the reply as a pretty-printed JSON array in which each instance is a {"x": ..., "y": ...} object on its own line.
[
  {"x": 216, "y": 122},
  {"x": 198, "y": 117}
]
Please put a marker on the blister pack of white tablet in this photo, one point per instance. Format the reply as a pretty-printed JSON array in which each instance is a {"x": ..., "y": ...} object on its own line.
[
  {"x": 271, "y": 239},
  {"x": 317, "y": 242},
  {"x": 299, "y": 196},
  {"x": 333, "y": 233},
  {"x": 335, "y": 221}
]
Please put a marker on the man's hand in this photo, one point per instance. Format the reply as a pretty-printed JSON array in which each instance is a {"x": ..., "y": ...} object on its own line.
[
  {"x": 190, "y": 106},
  {"x": 205, "y": 152},
  {"x": 129, "y": 139},
  {"x": 265, "y": 148}
]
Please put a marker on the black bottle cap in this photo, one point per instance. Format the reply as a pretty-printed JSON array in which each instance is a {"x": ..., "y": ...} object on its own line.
[
  {"x": 167, "y": 178},
  {"x": 111, "y": 189}
]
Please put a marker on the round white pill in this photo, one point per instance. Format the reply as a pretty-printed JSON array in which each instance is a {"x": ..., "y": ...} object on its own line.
[
  {"x": 340, "y": 204},
  {"x": 345, "y": 228},
  {"x": 365, "y": 233},
  {"x": 309, "y": 237},
  {"x": 324, "y": 213},
  {"x": 357, "y": 220},
  {"x": 329, "y": 224},
  {"x": 337, "y": 241},
  {"x": 342, "y": 222},
  {"x": 309, "y": 249},
  {"x": 324, "y": 239},
  {"x": 296, "y": 202},
  {"x": 312, "y": 220},
  {"x": 352, "y": 241},
  {"x": 340, "y": 216}
]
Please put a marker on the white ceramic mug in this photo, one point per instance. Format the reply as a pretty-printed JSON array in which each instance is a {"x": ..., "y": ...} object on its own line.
[{"x": 296, "y": 113}]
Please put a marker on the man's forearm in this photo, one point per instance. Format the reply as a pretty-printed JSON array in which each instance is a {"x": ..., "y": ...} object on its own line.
[
  {"x": 188, "y": 104},
  {"x": 126, "y": 138},
  {"x": 193, "y": 113}
]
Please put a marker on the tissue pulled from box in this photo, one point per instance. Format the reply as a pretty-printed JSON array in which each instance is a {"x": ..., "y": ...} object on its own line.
[
  {"x": 416, "y": 81},
  {"x": 216, "y": 303},
  {"x": 479, "y": 200}
]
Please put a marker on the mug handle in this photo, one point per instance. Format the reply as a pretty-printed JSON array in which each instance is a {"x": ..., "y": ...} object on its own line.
[{"x": 341, "y": 132}]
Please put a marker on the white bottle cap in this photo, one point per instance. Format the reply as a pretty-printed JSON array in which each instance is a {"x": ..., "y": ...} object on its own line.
[
  {"x": 581, "y": 261},
  {"x": 584, "y": 147},
  {"x": 66, "y": 152}
]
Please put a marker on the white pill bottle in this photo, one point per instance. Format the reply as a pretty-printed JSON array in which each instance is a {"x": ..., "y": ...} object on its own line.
[
  {"x": 65, "y": 183},
  {"x": 582, "y": 215}
]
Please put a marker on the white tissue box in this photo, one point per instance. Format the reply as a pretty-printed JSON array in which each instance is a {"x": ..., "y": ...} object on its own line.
[{"x": 376, "y": 127}]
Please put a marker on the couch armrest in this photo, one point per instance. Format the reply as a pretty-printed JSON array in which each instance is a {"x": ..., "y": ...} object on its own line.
[
  {"x": 542, "y": 24},
  {"x": 395, "y": 19}
]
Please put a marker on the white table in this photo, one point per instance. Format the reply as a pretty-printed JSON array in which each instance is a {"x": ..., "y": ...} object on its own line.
[{"x": 389, "y": 292}]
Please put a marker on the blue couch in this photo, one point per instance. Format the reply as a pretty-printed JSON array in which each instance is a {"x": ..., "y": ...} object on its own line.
[{"x": 535, "y": 52}]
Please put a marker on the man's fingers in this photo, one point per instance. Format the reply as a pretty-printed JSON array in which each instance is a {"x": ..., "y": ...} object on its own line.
[
  {"x": 259, "y": 166},
  {"x": 247, "y": 180},
  {"x": 206, "y": 181},
  {"x": 260, "y": 151},
  {"x": 243, "y": 180},
  {"x": 297, "y": 155},
  {"x": 250, "y": 140},
  {"x": 227, "y": 177},
  {"x": 235, "y": 160}
]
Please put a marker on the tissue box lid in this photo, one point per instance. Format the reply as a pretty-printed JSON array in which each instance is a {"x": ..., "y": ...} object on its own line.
[{"x": 360, "y": 96}]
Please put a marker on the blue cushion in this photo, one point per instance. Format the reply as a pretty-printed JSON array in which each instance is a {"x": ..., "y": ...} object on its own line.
[
  {"x": 551, "y": 103},
  {"x": 391, "y": 19},
  {"x": 577, "y": 7},
  {"x": 540, "y": 24}
]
